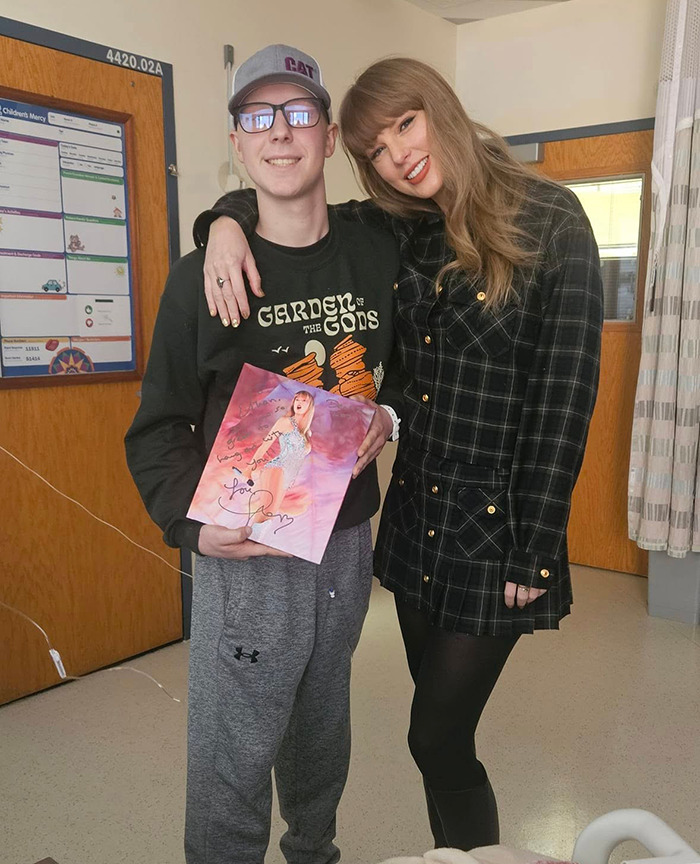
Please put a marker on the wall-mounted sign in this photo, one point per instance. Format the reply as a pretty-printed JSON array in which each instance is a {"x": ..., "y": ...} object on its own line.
[{"x": 66, "y": 299}]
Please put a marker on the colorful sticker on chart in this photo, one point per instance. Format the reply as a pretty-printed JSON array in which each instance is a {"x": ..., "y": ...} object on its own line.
[{"x": 70, "y": 361}]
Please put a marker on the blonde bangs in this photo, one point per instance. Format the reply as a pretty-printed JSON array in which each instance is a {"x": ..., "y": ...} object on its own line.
[
  {"x": 375, "y": 100},
  {"x": 363, "y": 114}
]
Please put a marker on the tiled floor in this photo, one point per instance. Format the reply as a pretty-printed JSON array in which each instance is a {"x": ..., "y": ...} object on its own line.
[{"x": 603, "y": 714}]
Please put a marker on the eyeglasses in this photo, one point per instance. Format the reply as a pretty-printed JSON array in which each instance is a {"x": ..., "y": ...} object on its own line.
[{"x": 260, "y": 116}]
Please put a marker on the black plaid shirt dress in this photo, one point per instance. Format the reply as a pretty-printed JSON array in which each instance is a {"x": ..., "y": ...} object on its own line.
[{"x": 496, "y": 415}]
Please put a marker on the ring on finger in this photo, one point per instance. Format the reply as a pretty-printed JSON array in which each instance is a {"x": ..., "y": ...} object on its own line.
[
  {"x": 220, "y": 281},
  {"x": 523, "y": 588}
]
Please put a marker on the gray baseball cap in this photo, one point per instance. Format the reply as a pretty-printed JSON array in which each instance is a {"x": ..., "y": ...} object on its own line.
[{"x": 278, "y": 64}]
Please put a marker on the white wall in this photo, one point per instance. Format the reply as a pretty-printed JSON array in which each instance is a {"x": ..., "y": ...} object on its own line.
[
  {"x": 571, "y": 64},
  {"x": 343, "y": 35}
]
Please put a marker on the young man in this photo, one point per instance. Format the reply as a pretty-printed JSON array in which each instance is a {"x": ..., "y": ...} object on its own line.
[{"x": 272, "y": 637}]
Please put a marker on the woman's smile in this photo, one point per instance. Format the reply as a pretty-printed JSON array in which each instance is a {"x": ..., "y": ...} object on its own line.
[{"x": 401, "y": 155}]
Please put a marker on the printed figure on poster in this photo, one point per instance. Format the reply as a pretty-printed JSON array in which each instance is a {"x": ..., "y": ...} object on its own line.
[{"x": 281, "y": 462}]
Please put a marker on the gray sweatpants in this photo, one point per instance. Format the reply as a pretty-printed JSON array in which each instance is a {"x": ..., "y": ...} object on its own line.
[{"x": 269, "y": 686}]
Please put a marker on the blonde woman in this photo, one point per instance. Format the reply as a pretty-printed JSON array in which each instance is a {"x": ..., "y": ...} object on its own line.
[
  {"x": 498, "y": 322},
  {"x": 278, "y": 475}
]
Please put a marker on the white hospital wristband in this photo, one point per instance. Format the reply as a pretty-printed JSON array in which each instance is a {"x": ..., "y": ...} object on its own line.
[{"x": 395, "y": 420}]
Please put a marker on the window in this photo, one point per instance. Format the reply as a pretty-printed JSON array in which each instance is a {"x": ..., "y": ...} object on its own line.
[{"x": 615, "y": 208}]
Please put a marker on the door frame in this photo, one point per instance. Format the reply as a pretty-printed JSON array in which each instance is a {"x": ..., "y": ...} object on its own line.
[{"x": 581, "y": 132}]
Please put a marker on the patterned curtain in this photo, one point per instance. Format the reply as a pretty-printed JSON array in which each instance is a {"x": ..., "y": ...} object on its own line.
[{"x": 664, "y": 479}]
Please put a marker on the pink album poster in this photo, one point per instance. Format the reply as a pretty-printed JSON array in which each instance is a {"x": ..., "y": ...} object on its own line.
[{"x": 281, "y": 462}]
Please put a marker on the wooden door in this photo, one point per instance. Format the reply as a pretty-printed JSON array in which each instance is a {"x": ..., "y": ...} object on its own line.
[
  {"x": 99, "y": 598},
  {"x": 598, "y": 524}
]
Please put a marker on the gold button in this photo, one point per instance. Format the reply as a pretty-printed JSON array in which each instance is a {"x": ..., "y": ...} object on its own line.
[
  {"x": 425, "y": 397},
  {"x": 401, "y": 482},
  {"x": 544, "y": 573},
  {"x": 491, "y": 509},
  {"x": 435, "y": 490},
  {"x": 396, "y": 286},
  {"x": 481, "y": 296},
  {"x": 431, "y": 533},
  {"x": 426, "y": 578},
  {"x": 428, "y": 340}
]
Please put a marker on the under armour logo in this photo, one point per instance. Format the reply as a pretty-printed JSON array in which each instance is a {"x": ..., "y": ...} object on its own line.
[{"x": 240, "y": 654}]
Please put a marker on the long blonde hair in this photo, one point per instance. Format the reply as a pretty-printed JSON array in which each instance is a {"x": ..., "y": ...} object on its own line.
[
  {"x": 484, "y": 185},
  {"x": 303, "y": 426}
]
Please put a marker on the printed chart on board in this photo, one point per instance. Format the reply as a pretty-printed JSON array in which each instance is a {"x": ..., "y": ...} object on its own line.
[{"x": 66, "y": 302}]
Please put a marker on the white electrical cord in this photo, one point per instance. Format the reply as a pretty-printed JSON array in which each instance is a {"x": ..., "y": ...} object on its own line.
[
  {"x": 53, "y": 652},
  {"x": 90, "y": 513}
]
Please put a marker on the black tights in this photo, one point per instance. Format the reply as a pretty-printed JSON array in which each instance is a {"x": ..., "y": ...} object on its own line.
[{"x": 454, "y": 674}]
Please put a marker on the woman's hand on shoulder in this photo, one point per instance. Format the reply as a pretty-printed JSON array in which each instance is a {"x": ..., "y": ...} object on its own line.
[{"x": 228, "y": 257}]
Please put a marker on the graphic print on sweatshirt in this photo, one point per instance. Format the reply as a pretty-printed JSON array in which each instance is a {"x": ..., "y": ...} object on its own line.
[{"x": 339, "y": 363}]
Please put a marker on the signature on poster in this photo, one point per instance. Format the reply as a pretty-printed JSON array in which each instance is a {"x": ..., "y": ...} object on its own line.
[{"x": 257, "y": 505}]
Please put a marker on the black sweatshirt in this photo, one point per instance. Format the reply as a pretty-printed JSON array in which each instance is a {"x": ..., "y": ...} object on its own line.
[{"x": 325, "y": 320}]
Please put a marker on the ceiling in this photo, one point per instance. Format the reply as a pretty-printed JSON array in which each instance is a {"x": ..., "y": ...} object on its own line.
[{"x": 467, "y": 11}]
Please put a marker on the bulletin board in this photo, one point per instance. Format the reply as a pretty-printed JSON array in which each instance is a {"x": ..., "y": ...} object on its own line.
[
  {"x": 69, "y": 274},
  {"x": 66, "y": 281}
]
